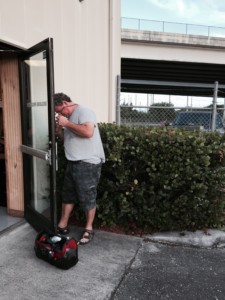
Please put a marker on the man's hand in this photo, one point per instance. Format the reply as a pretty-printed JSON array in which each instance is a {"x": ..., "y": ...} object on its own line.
[{"x": 62, "y": 121}]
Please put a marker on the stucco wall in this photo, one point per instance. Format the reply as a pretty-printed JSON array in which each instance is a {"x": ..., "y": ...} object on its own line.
[{"x": 86, "y": 39}]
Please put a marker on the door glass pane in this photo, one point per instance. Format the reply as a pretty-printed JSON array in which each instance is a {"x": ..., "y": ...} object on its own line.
[
  {"x": 37, "y": 102},
  {"x": 40, "y": 191},
  {"x": 38, "y": 130}
]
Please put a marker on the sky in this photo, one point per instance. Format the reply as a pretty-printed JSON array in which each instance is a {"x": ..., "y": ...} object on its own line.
[
  {"x": 199, "y": 12},
  {"x": 202, "y": 12}
]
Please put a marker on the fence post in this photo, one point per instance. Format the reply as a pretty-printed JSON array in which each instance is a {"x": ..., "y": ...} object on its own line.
[
  {"x": 224, "y": 111},
  {"x": 214, "y": 106},
  {"x": 118, "y": 100}
]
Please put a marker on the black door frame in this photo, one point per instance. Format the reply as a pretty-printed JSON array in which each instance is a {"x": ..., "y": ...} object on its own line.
[{"x": 38, "y": 221}]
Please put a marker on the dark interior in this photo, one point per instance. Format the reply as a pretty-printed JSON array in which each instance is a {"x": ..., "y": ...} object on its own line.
[{"x": 171, "y": 77}]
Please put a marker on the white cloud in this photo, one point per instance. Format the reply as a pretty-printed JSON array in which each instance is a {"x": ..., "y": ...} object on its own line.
[
  {"x": 207, "y": 12},
  {"x": 188, "y": 10},
  {"x": 180, "y": 6}
]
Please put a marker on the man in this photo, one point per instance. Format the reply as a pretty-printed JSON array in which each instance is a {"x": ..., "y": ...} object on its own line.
[{"x": 77, "y": 126}]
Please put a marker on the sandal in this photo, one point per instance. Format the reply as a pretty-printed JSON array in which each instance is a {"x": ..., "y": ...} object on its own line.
[
  {"x": 62, "y": 231},
  {"x": 87, "y": 236}
]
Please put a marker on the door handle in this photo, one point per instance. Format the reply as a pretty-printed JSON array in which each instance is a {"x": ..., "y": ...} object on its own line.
[{"x": 35, "y": 152}]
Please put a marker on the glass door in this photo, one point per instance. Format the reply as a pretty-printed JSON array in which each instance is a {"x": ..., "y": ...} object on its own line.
[{"x": 39, "y": 145}]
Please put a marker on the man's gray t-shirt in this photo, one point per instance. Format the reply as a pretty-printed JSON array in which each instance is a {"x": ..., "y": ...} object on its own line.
[{"x": 79, "y": 148}]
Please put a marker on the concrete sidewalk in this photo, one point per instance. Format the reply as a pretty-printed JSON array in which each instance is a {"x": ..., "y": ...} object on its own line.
[
  {"x": 101, "y": 265},
  {"x": 114, "y": 266}
]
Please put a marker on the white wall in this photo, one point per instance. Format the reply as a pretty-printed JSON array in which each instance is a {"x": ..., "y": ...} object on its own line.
[{"x": 86, "y": 37}]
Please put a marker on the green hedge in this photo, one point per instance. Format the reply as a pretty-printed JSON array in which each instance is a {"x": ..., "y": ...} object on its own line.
[{"x": 160, "y": 178}]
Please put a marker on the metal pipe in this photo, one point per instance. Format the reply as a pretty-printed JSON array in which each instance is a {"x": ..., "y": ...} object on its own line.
[
  {"x": 118, "y": 83},
  {"x": 214, "y": 106}
]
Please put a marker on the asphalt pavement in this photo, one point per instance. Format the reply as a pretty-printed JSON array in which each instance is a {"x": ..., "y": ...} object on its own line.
[
  {"x": 174, "y": 272},
  {"x": 117, "y": 267}
]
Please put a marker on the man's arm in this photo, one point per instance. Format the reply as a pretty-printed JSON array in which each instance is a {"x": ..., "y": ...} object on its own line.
[{"x": 84, "y": 130}]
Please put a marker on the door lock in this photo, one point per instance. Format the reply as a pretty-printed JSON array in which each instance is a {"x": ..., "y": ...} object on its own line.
[{"x": 48, "y": 157}]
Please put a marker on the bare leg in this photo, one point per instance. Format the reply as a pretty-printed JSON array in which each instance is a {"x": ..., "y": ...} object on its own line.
[
  {"x": 90, "y": 215},
  {"x": 88, "y": 234},
  {"x": 66, "y": 211}
]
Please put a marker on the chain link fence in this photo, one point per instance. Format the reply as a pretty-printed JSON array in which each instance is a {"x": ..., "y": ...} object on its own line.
[{"x": 178, "y": 111}]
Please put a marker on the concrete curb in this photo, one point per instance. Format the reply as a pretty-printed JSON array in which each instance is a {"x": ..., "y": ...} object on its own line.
[{"x": 211, "y": 239}]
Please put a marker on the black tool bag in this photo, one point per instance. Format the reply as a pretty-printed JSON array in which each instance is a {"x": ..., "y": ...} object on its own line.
[{"x": 56, "y": 249}]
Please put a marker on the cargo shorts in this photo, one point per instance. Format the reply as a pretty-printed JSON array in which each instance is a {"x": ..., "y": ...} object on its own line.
[{"x": 80, "y": 184}]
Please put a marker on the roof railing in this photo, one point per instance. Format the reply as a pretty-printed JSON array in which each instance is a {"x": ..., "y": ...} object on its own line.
[{"x": 172, "y": 27}]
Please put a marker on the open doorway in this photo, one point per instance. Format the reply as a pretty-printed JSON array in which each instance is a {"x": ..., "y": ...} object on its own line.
[
  {"x": 8, "y": 130},
  {"x": 29, "y": 156},
  {"x": 6, "y": 221}
]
